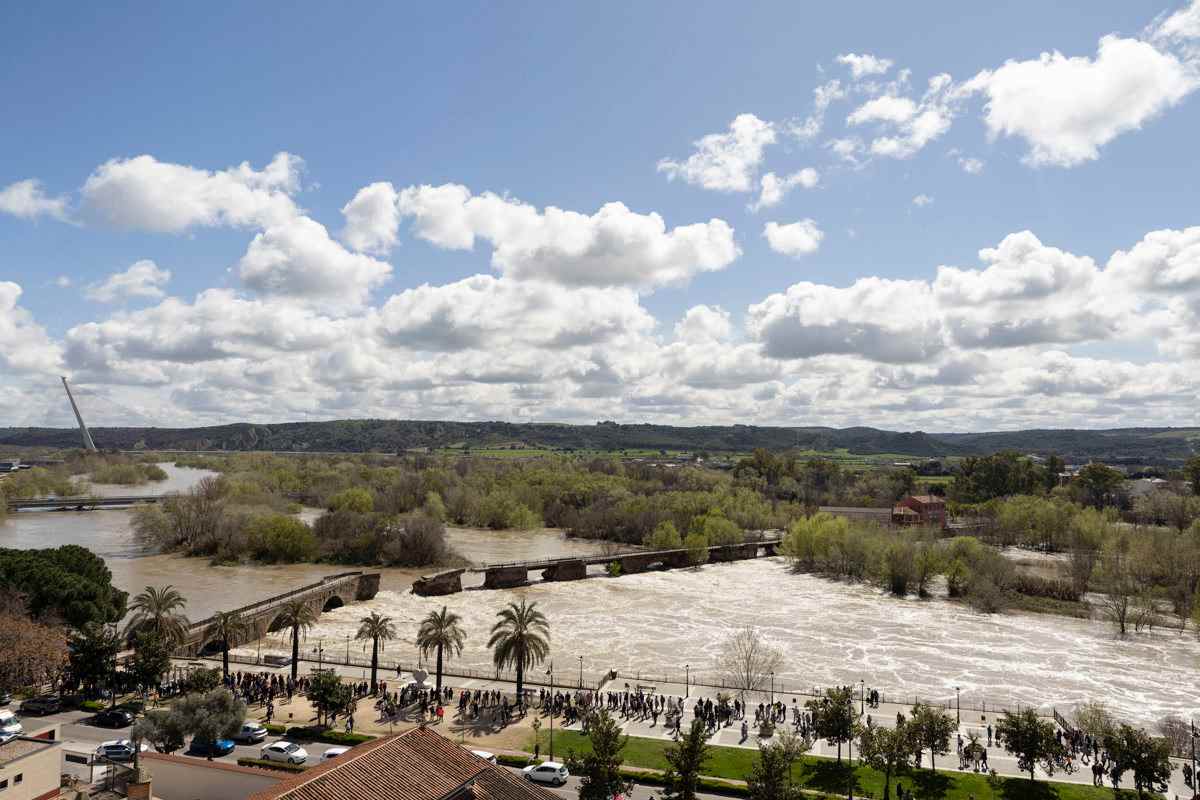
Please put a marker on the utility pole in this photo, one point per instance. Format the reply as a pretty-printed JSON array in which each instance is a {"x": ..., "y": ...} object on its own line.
[
  {"x": 88, "y": 444},
  {"x": 550, "y": 672}
]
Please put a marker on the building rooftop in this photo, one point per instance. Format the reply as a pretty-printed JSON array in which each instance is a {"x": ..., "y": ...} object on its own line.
[
  {"x": 22, "y": 746},
  {"x": 416, "y": 765}
]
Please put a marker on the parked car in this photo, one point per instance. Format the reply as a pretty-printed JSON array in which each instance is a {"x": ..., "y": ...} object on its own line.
[
  {"x": 118, "y": 750},
  {"x": 284, "y": 751},
  {"x": 10, "y": 724},
  {"x": 113, "y": 718},
  {"x": 551, "y": 772},
  {"x": 221, "y": 747},
  {"x": 486, "y": 756},
  {"x": 334, "y": 752},
  {"x": 41, "y": 706},
  {"x": 5, "y": 698},
  {"x": 251, "y": 733}
]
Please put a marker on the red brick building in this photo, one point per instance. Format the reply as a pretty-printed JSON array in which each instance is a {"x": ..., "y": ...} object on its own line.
[{"x": 923, "y": 509}]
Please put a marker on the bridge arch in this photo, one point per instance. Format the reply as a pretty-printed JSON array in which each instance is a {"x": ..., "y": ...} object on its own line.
[{"x": 332, "y": 602}]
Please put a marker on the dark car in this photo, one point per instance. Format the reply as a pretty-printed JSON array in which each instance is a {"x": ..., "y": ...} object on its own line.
[
  {"x": 41, "y": 706},
  {"x": 5, "y": 698},
  {"x": 113, "y": 718},
  {"x": 221, "y": 747}
]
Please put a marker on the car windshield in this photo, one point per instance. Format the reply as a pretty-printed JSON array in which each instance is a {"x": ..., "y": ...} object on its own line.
[{"x": 291, "y": 748}]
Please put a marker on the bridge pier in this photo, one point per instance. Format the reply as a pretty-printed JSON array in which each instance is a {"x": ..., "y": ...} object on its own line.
[
  {"x": 505, "y": 577},
  {"x": 566, "y": 571},
  {"x": 440, "y": 584}
]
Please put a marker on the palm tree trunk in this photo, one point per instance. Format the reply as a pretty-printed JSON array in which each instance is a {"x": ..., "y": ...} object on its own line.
[
  {"x": 520, "y": 680},
  {"x": 374, "y": 664},
  {"x": 225, "y": 658},
  {"x": 295, "y": 651},
  {"x": 439, "y": 675}
]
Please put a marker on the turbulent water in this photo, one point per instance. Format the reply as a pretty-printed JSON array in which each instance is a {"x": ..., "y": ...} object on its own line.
[{"x": 829, "y": 632}]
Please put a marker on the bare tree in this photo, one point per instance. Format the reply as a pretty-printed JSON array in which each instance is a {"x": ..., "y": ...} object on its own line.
[{"x": 748, "y": 660}]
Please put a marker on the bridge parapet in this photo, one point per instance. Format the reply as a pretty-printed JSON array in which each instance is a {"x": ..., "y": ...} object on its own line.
[{"x": 566, "y": 571}]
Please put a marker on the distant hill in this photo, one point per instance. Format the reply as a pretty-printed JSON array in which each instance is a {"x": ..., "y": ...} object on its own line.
[{"x": 1125, "y": 445}]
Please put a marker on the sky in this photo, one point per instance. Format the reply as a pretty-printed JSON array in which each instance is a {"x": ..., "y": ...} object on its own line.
[{"x": 915, "y": 217}]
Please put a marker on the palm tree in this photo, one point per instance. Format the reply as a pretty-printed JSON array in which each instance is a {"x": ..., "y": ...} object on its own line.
[
  {"x": 520, "y": 639},
  {"x": 298, "y": 615},
  {"x": 159, "y": 611},
  {"x": 439, "y": 631},
  {"x": 228, "y": 628},
  {"x": 377, "y": 628}
]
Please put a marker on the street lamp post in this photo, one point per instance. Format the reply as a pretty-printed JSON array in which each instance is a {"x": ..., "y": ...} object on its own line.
[
  {"x": 687, "y": 679},
  {"x": 581, "y": 672},
  {"x": 550, "y": 672},
  {"x": 320, "y": 651},
  {"x": 772, "y": 688},
  {"x": 1195, "y": 777},
  {"x": 347, "y": 649},
  {"x": 862, "y": 696},
  {"x": 957, "y": 706}
]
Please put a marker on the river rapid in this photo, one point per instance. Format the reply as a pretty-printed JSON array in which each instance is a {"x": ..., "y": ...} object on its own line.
[{"x": 829, "y": 632}]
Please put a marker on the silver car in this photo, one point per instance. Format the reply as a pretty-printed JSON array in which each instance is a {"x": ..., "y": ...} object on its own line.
[{"x": 551, "y": 772}]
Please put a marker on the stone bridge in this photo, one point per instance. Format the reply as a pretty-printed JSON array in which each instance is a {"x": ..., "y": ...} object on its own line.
[
  {"x": 507, "y": 576},
  {"x": 265, "y": 616}
]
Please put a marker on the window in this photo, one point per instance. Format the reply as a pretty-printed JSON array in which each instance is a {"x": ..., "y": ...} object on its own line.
[
  {"x": 3, "y": 784},
  {"x": 17, "y": 780}
]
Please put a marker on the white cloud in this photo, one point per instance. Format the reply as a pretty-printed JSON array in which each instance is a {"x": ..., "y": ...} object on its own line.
[
  {"x": 372, "y": 219},
  {"x": 794, "y": 239},
  {"x": 63, "y": 282},
  {"x": 704, "y": 323},
  {"x": 970, "y": 165},
  {"x": 142, "y": 279},
  {"x": 613, "y": 247},
  {"x": 1181, "y": 24},
  {"x": 1066, "y": 109},
  {"x": 905, "y": 125},
  {"x": 148, "y": 194},
  {"x": 725, "y": 162},
  {"x": 896, "y": 110},
  {"x": 28, "y": 200},
  {"x": 922, "y": 200},
  {"x": 865, "y": 64},
  {"x": 27, "y": 347},
  {"x": 1166, "y": 262},
  {"x": 875, "y": 318},
  {"x": 775, "y": 188},
  {"x": 297, "y": 258},
  {"x": 810, "y": 127}
]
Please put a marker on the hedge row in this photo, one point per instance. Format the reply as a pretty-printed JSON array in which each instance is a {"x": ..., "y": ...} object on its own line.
[
  {"x": 276, "y": 765},
  {"x": 326, "y": 736},
  {"x": 711, "y": 785}
]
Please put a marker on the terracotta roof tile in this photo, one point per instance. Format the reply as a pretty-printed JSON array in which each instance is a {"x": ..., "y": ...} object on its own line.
[{"x": 416, "y": 765}]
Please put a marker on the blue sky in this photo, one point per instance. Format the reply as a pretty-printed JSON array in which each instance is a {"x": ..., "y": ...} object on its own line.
[{"x": 176, "y": 289}]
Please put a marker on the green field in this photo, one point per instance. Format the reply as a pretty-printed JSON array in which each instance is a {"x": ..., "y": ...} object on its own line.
[{"x": 827, "y": 775}]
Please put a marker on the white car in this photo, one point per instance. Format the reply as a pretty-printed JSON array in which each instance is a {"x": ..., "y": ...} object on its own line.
[
  {"x": 551, "y": 772},
  {"x": 9, "y": 724},
  {"x": 486, "y": 756},
  {"x": 334, "y": 752},
  {"x": 285, "y": 751},
  {"x": 251, "y": 733},
  {"x": 118, "y": 750}
]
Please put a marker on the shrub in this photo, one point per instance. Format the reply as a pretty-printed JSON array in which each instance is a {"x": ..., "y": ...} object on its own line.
[
  {"x": 275, "y": 765},
  {"x": 326, "y": 736},
  {"x": 352, "y": 499},
  {"x": 280, "y": 538}
]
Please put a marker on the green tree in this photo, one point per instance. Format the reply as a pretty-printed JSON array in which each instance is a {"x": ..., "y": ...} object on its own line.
[
  {"x": 1191, "y": 471},
  {"x": 200, "y": 681},
  {"x": 1096, "y": 483},
  {"x": 520, "y": 639},
  {"x": 888, "y": 750},
  {"x": 931, "y": 729},
  {"x": 770, "y": 778},
  {"x": 599, "y": 769},
  {"x": 833, "y": 716},
  {"x": 441, "y": 631},
  {"x": 63, "y": 584},
  {"x": 164, "y": 729},
  {"x": 329, "y": 695},
  {"x": 376, "y": 628},
  {"x": 1031, "y": 740},
  {"x": 355, "y": 499},
  {"x": 280, "y": 538},
  {"x": 228, "y": 629},
  {"x": 1148, "y": 758},
  {"x": 151, "y": 659},
  {"x": 92, "y": 656},
  {"x": 663, "y": 537},
  {"x": 297, "y": 615},
  {"x": 159, "y": 611},
  {"x": 696, "y": 545},
  {"x": 210, "y": 716},
  {"x": 685, "y": 763}
]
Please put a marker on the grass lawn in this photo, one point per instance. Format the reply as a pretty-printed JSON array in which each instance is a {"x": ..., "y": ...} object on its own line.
[{"x": 827, "y": 775}]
